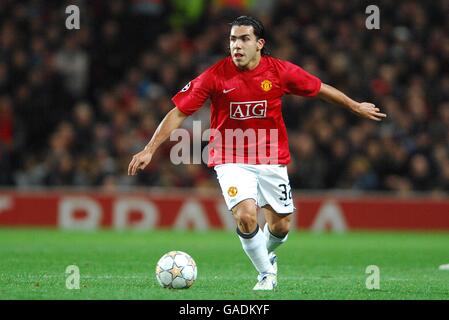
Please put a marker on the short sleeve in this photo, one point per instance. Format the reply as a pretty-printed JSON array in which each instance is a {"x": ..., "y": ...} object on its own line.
[
  {"x": 297, "y": 81},
  {"x": 194, "y": 94}
]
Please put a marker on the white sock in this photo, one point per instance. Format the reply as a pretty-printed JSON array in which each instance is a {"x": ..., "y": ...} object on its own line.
[
  {"x": 272, "y": 242},
  {"x": 254, "y": 245}
]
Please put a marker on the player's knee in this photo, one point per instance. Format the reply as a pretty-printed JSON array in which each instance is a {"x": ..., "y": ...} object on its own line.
[
  {"x": 246, "y": 221},
  {"x": 280, "y": 228},
  {"x": 245, "y": 215}
]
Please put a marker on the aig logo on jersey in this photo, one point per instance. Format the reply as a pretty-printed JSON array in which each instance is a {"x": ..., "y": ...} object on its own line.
[{"x": 248, "y": 110}]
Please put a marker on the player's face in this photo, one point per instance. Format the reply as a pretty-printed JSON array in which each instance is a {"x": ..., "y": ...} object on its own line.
[{"x": 244, "y": 46}]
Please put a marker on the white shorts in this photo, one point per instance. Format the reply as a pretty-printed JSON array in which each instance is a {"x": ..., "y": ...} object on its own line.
[{"x": 265, "y": 183}]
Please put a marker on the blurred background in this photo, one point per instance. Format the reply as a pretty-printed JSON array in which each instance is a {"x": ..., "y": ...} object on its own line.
[{"x": 76, "y": 104}]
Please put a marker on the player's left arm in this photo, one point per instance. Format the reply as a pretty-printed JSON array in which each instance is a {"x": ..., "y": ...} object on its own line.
[{"x": 362, "y": 109}]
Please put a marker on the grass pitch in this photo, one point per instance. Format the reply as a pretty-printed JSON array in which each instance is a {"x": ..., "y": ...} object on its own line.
[{"x": 120, "y": 265}]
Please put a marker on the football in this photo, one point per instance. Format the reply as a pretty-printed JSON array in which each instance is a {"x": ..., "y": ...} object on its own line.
[{"x": 176, "y": 270}]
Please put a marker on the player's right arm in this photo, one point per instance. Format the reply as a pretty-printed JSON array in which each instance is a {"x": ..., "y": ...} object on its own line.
[
  {"x": 172, "y": 121},
  {"x": 187, "y": 101}
]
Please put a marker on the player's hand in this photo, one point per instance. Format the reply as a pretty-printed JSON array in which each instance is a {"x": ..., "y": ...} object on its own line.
[
  {"x": 139, "y": 162},
  {"x": 370, "y": 111}
]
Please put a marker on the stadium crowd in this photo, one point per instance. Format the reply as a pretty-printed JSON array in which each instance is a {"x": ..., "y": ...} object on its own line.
[{"x": 76, "y": 104}]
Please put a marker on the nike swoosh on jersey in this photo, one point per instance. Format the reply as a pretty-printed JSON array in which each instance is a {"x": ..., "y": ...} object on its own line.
[{"x": 228, "y": 90}]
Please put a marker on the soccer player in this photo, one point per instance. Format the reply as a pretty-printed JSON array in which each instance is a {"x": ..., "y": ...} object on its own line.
[{"x": 245, "y": 90}]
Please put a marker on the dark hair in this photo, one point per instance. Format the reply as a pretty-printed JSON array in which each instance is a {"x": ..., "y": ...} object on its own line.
[{"x": 259, "y": 30}]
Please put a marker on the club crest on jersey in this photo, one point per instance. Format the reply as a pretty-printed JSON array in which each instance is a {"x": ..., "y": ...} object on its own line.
[
  {"x": 248, "y": 110},
  {"x": 266, "y": 85},
  {"x": 232, "y": 191},
  {"x": 186, "y": 87}
]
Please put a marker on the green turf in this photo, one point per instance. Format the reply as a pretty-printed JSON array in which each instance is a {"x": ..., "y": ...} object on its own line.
[{"x": 120, "y": 265}]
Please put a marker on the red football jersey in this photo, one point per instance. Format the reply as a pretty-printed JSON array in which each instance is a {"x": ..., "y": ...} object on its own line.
[{"x": 246, "y": 116}]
